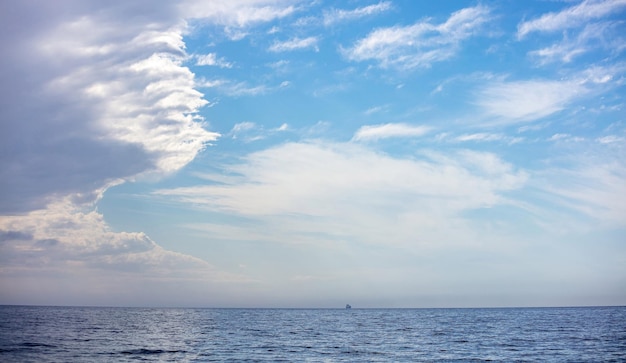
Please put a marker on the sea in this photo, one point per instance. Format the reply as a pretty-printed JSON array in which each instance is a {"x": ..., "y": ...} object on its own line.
[{"x": 101, "y": 334}]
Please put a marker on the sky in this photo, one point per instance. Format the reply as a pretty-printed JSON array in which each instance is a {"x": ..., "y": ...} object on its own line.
[{"x": 287, "y": 153}]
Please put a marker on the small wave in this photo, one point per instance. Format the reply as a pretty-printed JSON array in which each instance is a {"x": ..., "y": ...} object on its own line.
[
  {"x": 37, "y": 345},
  {"x": 144, "y": 351}
]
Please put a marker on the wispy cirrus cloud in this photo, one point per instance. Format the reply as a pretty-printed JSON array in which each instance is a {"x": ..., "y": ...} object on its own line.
[
  {"x": 295, "y": 44},
  {"x": 384, "y": 131},
  {"x": 240, "y": 89},
  {"x": 488, "y": 137},
  {"x": 592, "y": 184},
  {"x": 319, "y": 192},
  {"x": 420, "y": 44},
  {"x": 509, "y": 102},
  {"x": 604, "y": 35},
  {"x": 571, "y": 17},
  {"x": 334, "y": 16}
]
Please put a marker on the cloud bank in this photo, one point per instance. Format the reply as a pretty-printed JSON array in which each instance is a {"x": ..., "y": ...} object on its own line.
[{"x": 99, "y": 96}]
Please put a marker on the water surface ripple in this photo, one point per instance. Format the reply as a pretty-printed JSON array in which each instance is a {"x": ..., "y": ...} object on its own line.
[{"x": 66, "y": 334}]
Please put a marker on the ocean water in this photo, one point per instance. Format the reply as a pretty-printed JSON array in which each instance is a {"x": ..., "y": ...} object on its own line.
[{"x": 88, "y": 334}]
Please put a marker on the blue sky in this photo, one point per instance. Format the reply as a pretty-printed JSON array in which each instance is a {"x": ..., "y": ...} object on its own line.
[{"x": 285, "y": 153}]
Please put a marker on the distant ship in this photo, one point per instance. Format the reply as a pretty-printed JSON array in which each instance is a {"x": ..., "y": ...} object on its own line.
[{"x": 348, "y": 306}]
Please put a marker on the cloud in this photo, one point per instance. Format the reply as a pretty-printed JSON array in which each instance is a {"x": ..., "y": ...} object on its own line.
[
  {"x": 591, "y": 185},
  {"x": 237, "y": 13},
  {"x": 237, "y": 89},
  {"x": 376, "y": 132},
  {"x": 338, "y": 15},
  {"x": 610, "y": 139},
  {"x": 420, "y": 44},
  {"x": 375, "y": 109},
  {"x": 571, "y": 17},
  {"x": 596, "y": 36},
  {"x": 244, "y": 129},
  {"x": 516, "y": 101},
  {"x": 212, "y": 60},
  {"x": 295, "y": 44},
  {"x": 73, "y": 256},
  {"x": 325, "y": 192},
  {"x": 249, "y": 131},
  {"x": 565, "y": 137},
  {"x": 97, "y": 94},
  {"x": 107, "y": 102},
  {"x": 486, "y": 137}
]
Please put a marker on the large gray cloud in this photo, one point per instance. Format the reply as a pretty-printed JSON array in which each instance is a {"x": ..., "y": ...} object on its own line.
[
  {"x": 76, "y": 115},
  {"x": 93, "y": 94}
]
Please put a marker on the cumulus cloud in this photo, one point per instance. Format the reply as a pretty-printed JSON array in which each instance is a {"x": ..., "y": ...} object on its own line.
[
  {"x": 376, "y": 132},
  {"x": 420, "y": 44}
]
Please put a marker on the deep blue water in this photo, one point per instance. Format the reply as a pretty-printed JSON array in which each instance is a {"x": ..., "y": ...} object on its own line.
[{"x": 87, "y": 334}]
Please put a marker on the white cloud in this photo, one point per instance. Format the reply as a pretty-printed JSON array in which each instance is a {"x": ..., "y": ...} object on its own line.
[
  {"x": 338, "y": 15},
  {"x": 206, "y": 83},
  {"x": 592, "y": 37},
  {"x": 488, "y": 137},
  {"x": 243, "y": 128},
  {"x": 480, "y": 137},
  {"x": 75, "y": 253},
  {"x": 593, "y": 186},
  {"x": 516, "y": 101},
  {"x": 115, "y": 102},
  {"x": 295, "y": 44},
  {"x": 273, "y": 30},
  {"x": 420, "y": 44},
  {"x": 321, "y": 192},
  {"x": 99, "y": 98},
  {"x": 556, "y": 137},
  {"x": 610, "y": 139},
  {"x": 237, "y": 13},
  {"x": 375, "y": 132},
  {"x": 375, "y": 109},
  {"x": 211, "y": 59},
  {"x": 565, "y": 138},
  {"x": 571, "y": 17},
  {"x": 236, "y": 89}
]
